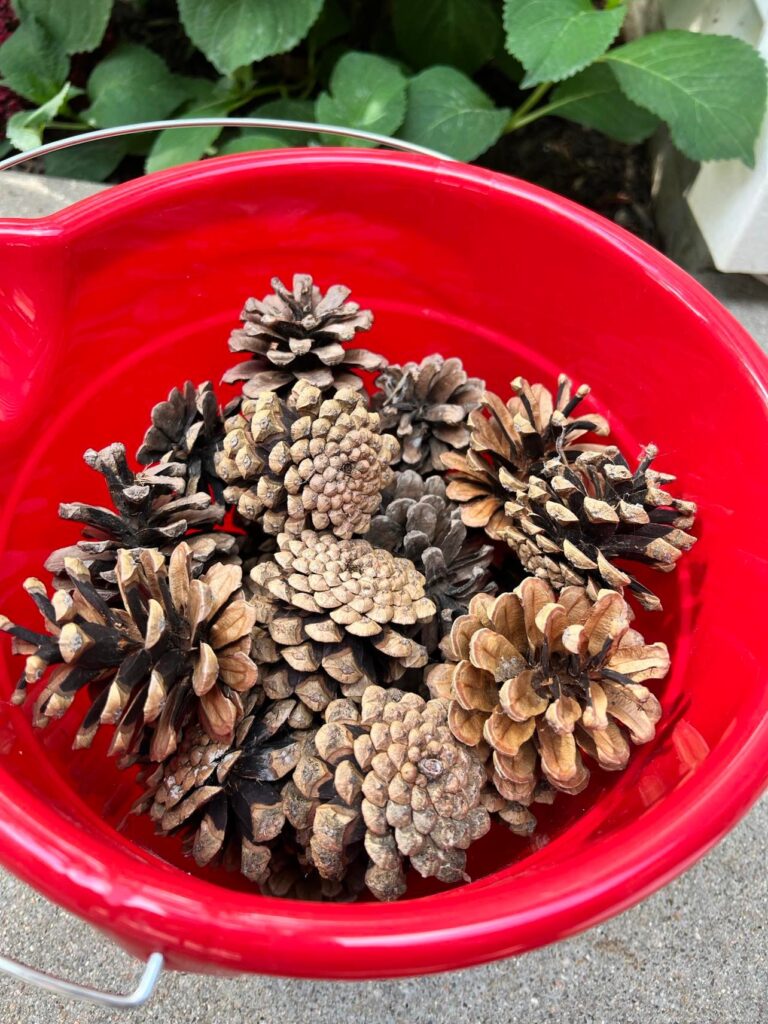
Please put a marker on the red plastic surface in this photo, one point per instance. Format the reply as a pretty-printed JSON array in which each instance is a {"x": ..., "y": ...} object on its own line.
[{"x": 107, "y": 305}]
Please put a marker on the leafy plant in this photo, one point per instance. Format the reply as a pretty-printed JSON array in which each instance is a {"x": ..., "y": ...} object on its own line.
[{"x": 452, "y": 75}]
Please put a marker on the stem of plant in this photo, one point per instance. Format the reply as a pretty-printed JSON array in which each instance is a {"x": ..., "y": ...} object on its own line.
[{"x": 520, "y": 116}]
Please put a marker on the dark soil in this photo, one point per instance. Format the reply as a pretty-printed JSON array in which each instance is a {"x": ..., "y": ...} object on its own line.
[{"x": 609, "y": 177}]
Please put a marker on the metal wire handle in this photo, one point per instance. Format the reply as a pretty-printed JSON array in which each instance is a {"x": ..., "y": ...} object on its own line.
[
  {"x": 70, "y": 990},
  {"x": 268, "y": 123}
]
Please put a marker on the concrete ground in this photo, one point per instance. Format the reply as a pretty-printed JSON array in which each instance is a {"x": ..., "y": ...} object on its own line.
[{"x": 695, "y": 953}]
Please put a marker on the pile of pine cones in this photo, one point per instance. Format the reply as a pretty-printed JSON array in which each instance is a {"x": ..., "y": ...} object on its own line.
[{"x": 300, "y": 617}]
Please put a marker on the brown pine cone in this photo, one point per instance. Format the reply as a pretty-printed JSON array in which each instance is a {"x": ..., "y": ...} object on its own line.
[
  {"x": 569, "y": 522},
  {"x": 226, "y": 795},
  {"x": 426, "y": 406},
  {"x": 509, "y": 442},
  {"x": 542, "y": 678},
  {"x": 331, "y": 614},
  {"x": 187, "y": 428},
  {"x": 392, "y": 775},
  {"x": 306, "y": 459},
  {"x": 177, "y": 647},
  {"x": 298, "y": 335},
  {"x": 420, "y": 524},
  {"x": 152, "y": 509}
]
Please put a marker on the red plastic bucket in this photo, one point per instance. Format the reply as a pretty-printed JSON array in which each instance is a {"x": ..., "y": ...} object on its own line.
[{"x": 107, "y": 305}]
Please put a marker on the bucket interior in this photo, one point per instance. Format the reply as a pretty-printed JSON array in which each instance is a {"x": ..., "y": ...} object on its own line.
[{"x": 145, "y": 292}]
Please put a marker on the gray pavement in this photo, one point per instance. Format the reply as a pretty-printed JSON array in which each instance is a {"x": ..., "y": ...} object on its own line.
[{"x": 695, "y": 953}]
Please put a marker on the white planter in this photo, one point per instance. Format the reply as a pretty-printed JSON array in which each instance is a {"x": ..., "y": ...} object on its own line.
[{"x": 728, "y": 200}]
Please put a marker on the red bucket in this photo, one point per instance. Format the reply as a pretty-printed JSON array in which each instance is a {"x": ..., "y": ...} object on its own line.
[{"x": 107, "y": 305}]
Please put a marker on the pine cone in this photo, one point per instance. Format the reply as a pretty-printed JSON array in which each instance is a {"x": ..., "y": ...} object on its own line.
[
  {"x": 542, "y": 678},
  {"x": 226, "y": 795},
  {"x": 426, "y": 405},
  {"x": 330, "y": 612},
  {"x": 187, "y": 429},
  {"x": 569, "y": 522},
  {"x": 306, "y": 458},
  {"x": 392, "y": 775},
  {"x": 419, "y": 523},
  {"x": 512, "y": 442},
  {"x": 152, "y": 509},
  {"x": 177, "y": 646},
  {"x": 292, "y": 876},
  {"x": 297, "y": 336}
]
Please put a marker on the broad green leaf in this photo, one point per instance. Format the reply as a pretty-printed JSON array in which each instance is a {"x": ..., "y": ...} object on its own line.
[
  {"x": 593, "y": 98},
  {"x": 232, "y": 33},
  {"x": 556, "y": 38},
  {"x": 247, "y": 141},
  {"x": 93, "y": 161},
  {"x": 459, "y": 33},
  {"x": 449, "y": 113},
  {"x": 132, "y": 84},
  {"x": 284, "y": 110},
  {"x": 334, "y": 22},
  {"x": 366, "y": 92},
  {"x": 77, "y": 25},
  {"x": 32, "y": 63},
  {"x": 184, "y": 145},
  {"x": 25, "y": 129},
  {"x": 711, "y": 90}
]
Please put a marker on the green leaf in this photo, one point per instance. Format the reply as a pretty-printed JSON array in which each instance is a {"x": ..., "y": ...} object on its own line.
[
  {"x": 77, "y": 25},
  {"x": 711, "y": 90},
  {"x": 32, "y": 63},
  {"x": 449, "y": 113},
  {"x": 556, "y": 38},
  {"x": 366, "y": 92},
  {"x": 132, "y": 84},
  {"x": 284, "y": 110},
  {"x": 459, "y": 33},
  {"x": 593, "y": 98},
  {"x": 93, "y": 161},
  {"x": 176, "y": 146},
  {"x": 232, "y": 33},
  {"x": 247, "y": 141},
  {"x": 25, "y": 129}
]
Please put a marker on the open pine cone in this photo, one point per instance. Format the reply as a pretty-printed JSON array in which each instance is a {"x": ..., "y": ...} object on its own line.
[
  {"x": 187, "y": 428},
  {"x": 542, "y": 678},
  {"x": 177, "y": 647},
  {"x": 298, "y": 335},
  {"x": 226, "y": 795},
  {"x": 152, "y": 509},
  {"x": 426, "y": 406},
  {"x": 570, "y": 522},
  {"x": 306, "y": 458},
  {"x": 419, "y": 523},
  {"x": 391, "y": 774},
  {"x": 509, "y": 442},
  {"x": 334, "y": 612}
]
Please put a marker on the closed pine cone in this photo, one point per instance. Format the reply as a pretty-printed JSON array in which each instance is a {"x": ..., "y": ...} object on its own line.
[
  {"x": 541, "y": 678},
  {"x": 391, "y": 774},
  {"x": 177, "y": 648},
  {"x": 571, "y": 521},
  {"x": 509, "y": 442},
  {"x": 305, "y": 460},
  {"x": 226, "y": 795},
  {"x": 187, "y": 428},
  {"x": 151, "y": 509},
  {"x": 298, "y": 335},
  {"x": 419, "y": 523},
  {"x": 331, "y": 612},
  {"x": 426, "y": 406}
]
